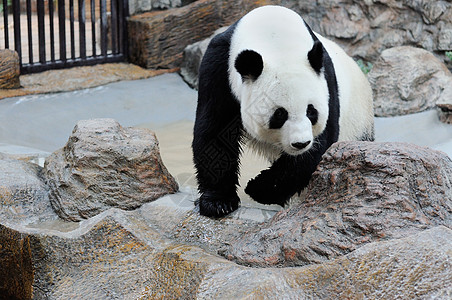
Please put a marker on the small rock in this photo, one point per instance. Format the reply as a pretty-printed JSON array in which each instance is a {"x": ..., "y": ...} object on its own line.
[
  {"x": 445, "y": 37},
  {"x": 9, "y": 69},
  {"x": 445, "y": 112},
  {"x": 361, "y": 192},
  {"x": 408, "y": 80},
  {"x": 165, "y": 4},
  {"x": 104, "y": 165}
]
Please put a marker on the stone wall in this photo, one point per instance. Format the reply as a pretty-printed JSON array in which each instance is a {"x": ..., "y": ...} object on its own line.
[
  {"x": 363, "y": 28},
  {"x": 366, "y": 28},
  {"x": 140, "y": 6}
]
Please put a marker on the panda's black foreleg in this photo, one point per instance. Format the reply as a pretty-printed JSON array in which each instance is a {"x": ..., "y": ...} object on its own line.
[
  {"x": 288, "y": 175},
  {"x": 216, "y": 151}
]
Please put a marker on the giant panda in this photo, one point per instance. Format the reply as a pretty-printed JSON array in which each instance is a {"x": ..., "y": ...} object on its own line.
[{"x": 270, "y": 81}]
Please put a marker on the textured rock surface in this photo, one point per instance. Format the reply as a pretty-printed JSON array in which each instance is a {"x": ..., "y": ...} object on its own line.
[
  {"x": 444, "y": 106},
  {"x": 445, "y": 112},
  {"x": 24, "y": 197},
  {"x": 361, "y": 192},
  {"x": 140, "y": 6},
  {"x": 104, "y": 165},
  {"x": 165, "y": 4},
  {"x": 166, "y": 250},
  {"x": 366, "y": 28},
  {"x": 124, "y": 255},
  {"x": 157, "y": 39},
  {"x": 24, "y": 200},
  {"x": 9, "y": 69},
  {"x": 408, "y": 80}
]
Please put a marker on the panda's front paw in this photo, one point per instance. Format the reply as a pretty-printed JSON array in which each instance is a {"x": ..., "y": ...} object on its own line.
[
  {"x": 217, "y": 205},
  {"x": 265, "y": 189}
]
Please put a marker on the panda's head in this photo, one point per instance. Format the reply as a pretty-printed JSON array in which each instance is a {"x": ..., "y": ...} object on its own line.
[{"x": 284, "y": 101}]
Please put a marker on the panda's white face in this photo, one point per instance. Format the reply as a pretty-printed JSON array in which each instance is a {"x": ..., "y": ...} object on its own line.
[
  {"x": 275, "y": 72},
  {"x": 285, "y": 110}
]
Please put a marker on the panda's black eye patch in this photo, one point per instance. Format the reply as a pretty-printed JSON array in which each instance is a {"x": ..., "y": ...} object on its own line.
[
  {"x": 278, "y": 118},
  {"x": 312, "y": 114}
]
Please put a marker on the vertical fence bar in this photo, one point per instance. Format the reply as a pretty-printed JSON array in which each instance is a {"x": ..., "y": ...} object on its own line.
[
  {"x": 81, "y": 24},
  {"x": 103, "y": 28},
  {"x": 62, "y": 29},
  {"x": 16, "y": 18},
  {"x": 114, "y": 26},
  {"x": 93, "y": 26},
  {"x": 120, "y": 29},
  {"x": 71, "y": 20},
  {"x": 5, "y": 23},
  {"x": 51, "y": 31},
  {"x": 41, "y": 32},
  {"x": 30, "y": 33},
  {"x": 123, "y": 36}
]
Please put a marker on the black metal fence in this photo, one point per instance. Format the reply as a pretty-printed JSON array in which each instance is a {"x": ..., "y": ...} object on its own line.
[{"x": 53, "y": 34}]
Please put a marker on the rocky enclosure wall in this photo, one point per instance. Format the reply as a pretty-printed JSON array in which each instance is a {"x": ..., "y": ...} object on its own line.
[
  {"x": 140, "y": 6},
  {"x": 363, "y": 28},
  {"x": 366, "y": 28}
]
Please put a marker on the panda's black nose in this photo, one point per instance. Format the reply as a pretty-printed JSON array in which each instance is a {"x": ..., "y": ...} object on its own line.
[{"x": 300, "y": 146}]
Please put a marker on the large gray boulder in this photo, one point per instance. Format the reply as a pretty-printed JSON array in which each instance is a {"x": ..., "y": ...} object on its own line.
[
  {"x": 126, "y": 255},
  {"x": 104, "y": 165},
  {"x": 361, "y": 192},
  {"x": 408, "y": 80}
]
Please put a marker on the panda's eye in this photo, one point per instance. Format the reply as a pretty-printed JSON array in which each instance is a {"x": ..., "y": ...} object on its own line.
[
  {"x": 278, "y": 118},
  {"x": 312, "y": 114}
]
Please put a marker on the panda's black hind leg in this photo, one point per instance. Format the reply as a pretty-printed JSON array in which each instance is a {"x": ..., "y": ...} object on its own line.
[{"x": 215, "y": 205}]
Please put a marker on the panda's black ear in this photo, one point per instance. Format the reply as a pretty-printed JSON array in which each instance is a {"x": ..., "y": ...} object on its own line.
[
  {"x": 249, "y": 64},
  {"x": 315, "y": 56}
]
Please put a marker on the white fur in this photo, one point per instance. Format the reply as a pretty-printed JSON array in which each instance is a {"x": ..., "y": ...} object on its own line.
[
  {"x": 280, "y": 36},
  {"x": 355, "y": 94}
]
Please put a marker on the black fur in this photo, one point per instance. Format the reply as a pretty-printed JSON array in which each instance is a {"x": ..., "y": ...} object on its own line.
[
  {"x": 249, "y": 64},
  {"x": 218, "y": 134},
  {"x": 278, "y": 118},
  {"x": 315, "y": 56},
  {"x": 312, "y": 114}
]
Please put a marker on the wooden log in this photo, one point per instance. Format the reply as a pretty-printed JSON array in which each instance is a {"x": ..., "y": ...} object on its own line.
[
  {"x": 9, "y": 69},
  {"x": 157, "y": 39}
]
